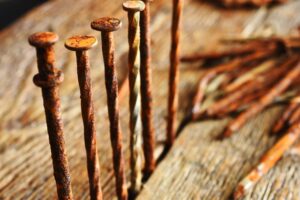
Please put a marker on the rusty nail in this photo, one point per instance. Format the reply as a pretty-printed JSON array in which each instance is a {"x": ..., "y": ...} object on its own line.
[
  {"x": 146, "y": 96},
  {"x": 133, "y": 9},
  {"x": 174, "y": 72},
  {"x": 80, "y": 44},
  {"x": 107, "y": 25},
  {"x": 48, "y": 79}
]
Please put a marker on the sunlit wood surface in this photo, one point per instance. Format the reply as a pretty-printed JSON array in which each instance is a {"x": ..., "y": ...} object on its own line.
[{"x": 197, "y": 167}]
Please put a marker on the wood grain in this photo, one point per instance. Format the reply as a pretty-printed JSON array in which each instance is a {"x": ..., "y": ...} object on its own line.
[{"x": 201, "y": 167}]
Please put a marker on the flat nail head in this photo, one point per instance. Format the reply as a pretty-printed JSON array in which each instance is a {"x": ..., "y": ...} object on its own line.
[
  {"x": 80, "y": 42},
  {"x": 133, "y": 6},
  {"x": 106, "y": 24},
  {"x": 43, "y": 39}
]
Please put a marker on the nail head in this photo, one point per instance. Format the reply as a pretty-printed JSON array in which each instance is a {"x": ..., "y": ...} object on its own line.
[
  {"x": 106, "y": 24},
  {"x": 133, "y": 6},
  {"x": 43, "y": 39},
  {"x": 80, "y": 42}
]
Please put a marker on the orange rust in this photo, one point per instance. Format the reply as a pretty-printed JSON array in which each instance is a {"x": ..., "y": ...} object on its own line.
[
  {"x": 80, "y": 42},
  {"x": 146, "y": 92},
  {"x": 282, "y": 122},
  {"x": 43, "y": 39},
  {"x": 226, "y": 67},
  {"x": 239, "y": 192},
  {"x": 234, "y": 3},
  {"x": 295, "y": 116},
  {"x": 265, "y": 100},
  {"x": 174, "y": 72},
  {"x": 48, "y": 78},
  {"x": 107, "y": 24},
  {"x": 269, "y": 160},
  {"x": 241, "y": 51}
]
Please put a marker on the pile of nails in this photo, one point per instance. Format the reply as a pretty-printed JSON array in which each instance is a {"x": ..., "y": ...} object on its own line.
[
  {"x": 244, "y": 80},
  {"x": 140, "y": 98},
  {"x": 232, "y": 3}
]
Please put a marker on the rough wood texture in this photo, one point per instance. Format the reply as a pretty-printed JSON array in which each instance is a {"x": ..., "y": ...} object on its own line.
[{"x": 197, "y": 167}]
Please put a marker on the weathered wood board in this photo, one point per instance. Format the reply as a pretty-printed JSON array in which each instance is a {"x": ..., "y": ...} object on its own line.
[{"x": 196, "y": 167}]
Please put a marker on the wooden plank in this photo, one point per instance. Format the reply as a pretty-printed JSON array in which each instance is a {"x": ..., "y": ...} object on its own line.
[
  {"x": 199, "y": 167},
  {"x": 25, "y": 168}
]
